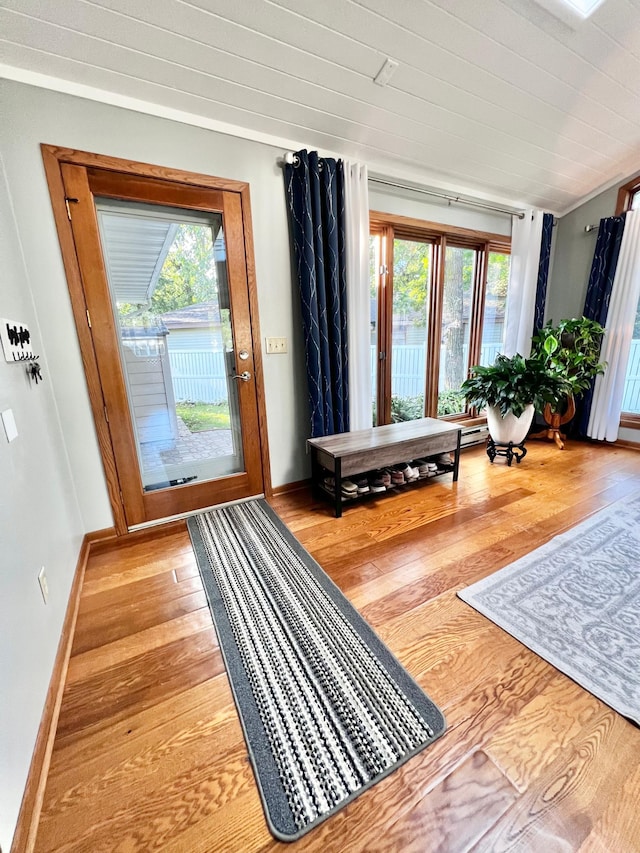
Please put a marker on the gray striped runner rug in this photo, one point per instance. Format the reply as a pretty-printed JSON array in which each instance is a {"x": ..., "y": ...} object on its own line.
[{"x": 326, "y": 709}]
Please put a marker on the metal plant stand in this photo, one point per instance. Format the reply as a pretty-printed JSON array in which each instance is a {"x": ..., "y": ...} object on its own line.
[{"x": 511, "y": 451}]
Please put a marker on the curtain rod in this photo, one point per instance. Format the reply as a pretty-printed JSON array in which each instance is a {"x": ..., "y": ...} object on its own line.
[
  {"x": 519, "y": 213},
  {"x": 292, "y": 158}
]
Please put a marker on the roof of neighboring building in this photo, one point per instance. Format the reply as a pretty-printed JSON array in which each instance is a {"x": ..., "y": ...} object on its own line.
[{"x": 193, "y": 316}]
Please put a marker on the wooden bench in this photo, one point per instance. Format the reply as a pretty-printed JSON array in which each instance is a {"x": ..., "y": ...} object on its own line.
[{"x": 350, "y": 453}]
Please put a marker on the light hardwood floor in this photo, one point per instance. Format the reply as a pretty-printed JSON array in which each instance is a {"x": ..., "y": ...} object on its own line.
[{"x": 149, "y": 755}]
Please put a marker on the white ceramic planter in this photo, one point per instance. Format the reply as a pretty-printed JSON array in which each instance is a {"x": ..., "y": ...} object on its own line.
[{"x": 509, "y": 428}]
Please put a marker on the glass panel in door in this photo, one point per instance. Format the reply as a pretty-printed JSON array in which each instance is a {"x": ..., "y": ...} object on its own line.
[
  {"x": 167, "y": 277},
  {"x": 411, "y": 271},
  {"x": 457, "y": 296}
]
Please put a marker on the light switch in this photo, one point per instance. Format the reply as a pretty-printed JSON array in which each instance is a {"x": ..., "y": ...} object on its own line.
[
  {"x": 9, "y": 424},
  {"x": 276, "y": 345}
]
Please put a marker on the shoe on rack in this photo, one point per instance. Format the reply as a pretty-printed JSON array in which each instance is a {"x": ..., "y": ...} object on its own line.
[
  {"x": 362, "y": 485},
  {"x": 330, "y": 484},
  {"x": 349, "y": 489},
  {"x": 444, "y": 459},
  {"x": 376, "y": 482},
  {"x": 382, "y": 474},
  {"x": 410, "y": 473},
  {"x": 421, "y": 465},
  {"x": 397, "y": 475}
]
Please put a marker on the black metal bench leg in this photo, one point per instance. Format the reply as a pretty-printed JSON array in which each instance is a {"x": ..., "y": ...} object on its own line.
[
  {"x": 456, "y": 461},
  {"x": 338, "y": 488}
]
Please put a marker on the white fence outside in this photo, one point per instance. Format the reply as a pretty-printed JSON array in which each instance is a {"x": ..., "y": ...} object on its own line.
[
  {"x": 200, "y": 375},
  {"x": 408, "y": 367}
]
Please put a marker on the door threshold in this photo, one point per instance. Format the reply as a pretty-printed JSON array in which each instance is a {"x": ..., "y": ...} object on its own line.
[{"x": 145, "y": 525}]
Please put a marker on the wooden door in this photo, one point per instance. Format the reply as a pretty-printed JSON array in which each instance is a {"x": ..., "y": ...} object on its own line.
[{"x": 133, "y": 237}]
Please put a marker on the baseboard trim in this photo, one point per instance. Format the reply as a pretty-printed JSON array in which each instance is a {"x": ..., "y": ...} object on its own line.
[
  {"x": 287, "y": 488},
  {"x": 110, "y": 543},
  {"x": 29, "y": 816},
  {"x": 105, "y": 534},
  {"x": 630, "y": 445}
]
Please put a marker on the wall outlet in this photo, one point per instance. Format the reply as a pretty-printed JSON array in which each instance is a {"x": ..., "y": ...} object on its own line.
[
  {"x": 44, "y": 586},
  {"x": 276, "y": 345}
]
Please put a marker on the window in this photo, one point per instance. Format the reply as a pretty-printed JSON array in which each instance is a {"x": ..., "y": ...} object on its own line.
[
  {"x": 631, "y": 398},
  {"x": 438, "y": 297},
  {"x": 629, "y": 196},
  {"x": 411, "y": 272},
  {"x": 629, "y": 199},
  {"x": 495, "y": 306}
]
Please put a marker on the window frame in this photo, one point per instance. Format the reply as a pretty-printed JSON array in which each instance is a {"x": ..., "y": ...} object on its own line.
[
  {"x": 626, "y": 194},
  {"x": 390, "y": 227}
]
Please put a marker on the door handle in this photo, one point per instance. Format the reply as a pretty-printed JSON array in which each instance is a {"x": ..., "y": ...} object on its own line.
[{"x": 245, "y": 376}]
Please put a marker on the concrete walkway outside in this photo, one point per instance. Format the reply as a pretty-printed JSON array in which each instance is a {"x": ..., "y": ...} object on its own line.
[{"x": 188, "y": 447}]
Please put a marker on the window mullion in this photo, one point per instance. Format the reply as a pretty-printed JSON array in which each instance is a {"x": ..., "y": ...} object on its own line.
[
  {"x": 385, "y": 304},
  {"x": 477, "y": 311},
  {"x": 477, "y": 316},
  {"x": 434, "y": 326}
]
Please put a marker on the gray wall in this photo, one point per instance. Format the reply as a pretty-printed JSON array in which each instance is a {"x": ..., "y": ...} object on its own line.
[
  {"x": 419, "y": 206},
  {"x": 40, "y": 525},
  {"x": 573, "y": 253}
]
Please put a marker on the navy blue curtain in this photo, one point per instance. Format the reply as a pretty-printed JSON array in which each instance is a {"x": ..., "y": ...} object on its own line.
[
  {"x": 596, "y": 306},
  {"x": 543, "y": 271},
  {"x": 315, "y": 196}
]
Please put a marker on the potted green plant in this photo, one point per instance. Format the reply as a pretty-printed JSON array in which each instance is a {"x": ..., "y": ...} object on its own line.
[
  {"x": 570, "y": 350},
  {"x": 510, "y": 390}
]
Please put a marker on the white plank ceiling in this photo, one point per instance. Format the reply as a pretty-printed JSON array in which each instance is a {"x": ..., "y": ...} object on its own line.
[{"x": 498, "y": 98}]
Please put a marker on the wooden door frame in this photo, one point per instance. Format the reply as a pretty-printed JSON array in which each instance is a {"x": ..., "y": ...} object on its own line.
[{"x": 54, "y": 157}]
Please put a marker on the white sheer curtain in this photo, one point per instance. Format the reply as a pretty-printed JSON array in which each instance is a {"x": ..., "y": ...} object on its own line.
[
  {"x": 356, "y": 193},
  {"x": 526, "y": 236},
  {"x": 608, "y": 392}
]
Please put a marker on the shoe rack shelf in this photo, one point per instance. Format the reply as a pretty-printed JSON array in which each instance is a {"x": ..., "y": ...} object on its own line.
[{"x": 351, "y": 453}]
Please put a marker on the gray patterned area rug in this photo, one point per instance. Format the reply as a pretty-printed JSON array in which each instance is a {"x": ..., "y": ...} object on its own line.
[
  {"x": 326, "y": 709},
  {"x": 576, "y": 602}
]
